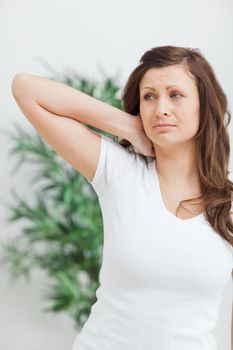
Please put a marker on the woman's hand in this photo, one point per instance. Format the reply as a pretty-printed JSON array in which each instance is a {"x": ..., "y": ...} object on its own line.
[{"x": 140, "y": 140}]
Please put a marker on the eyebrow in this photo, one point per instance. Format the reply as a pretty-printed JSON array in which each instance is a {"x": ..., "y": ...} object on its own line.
[{"x": 152, "y": 88}]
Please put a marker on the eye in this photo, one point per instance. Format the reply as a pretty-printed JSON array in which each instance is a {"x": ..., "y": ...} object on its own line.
[
  {"x": 176, "y": 93},
  {"x": 173, "y": 94},
  {"x": 147, "y": 95}
]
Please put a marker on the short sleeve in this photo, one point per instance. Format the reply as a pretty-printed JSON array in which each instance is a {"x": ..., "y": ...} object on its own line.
[{"x": 114, "y": 163}]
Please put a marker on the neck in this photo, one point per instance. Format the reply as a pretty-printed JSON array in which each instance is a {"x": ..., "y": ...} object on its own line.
[{"x": 178, "y": 168}]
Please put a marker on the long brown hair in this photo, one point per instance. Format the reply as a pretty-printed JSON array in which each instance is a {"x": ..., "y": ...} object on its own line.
[{"x": 212, "y": 139}]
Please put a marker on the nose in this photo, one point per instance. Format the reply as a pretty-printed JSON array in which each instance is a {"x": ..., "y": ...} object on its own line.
[{"x": 162, "y": 107}]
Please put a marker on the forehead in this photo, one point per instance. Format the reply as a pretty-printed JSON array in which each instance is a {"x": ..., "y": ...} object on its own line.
[{"x": 171, "y": 75}]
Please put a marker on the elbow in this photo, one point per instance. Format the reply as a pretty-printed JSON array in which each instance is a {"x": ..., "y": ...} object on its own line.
[{"x": 17, "y": 84}]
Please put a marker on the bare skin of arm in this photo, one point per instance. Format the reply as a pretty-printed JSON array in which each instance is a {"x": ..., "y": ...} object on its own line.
[
  {"x": 59, "y": 113},
  {"x": 61, "y": 99}
]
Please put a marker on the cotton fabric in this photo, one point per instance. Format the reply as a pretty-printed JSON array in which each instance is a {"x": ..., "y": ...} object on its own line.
[{"x": 162, "y": 277}]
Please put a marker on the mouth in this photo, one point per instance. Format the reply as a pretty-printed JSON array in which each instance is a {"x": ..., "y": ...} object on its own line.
[
  {"x": 163, "y": 127},
  {"x": 164, "y": 124}
]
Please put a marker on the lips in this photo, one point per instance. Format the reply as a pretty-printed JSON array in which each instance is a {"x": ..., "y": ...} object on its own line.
[{"x": 163, "y": 124}]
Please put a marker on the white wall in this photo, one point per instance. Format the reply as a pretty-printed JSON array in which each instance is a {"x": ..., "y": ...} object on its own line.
[{"x": 81, "y": 34}]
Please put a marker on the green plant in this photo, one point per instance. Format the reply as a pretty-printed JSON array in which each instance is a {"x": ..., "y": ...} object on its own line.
[{"x": 64, "y": 235}]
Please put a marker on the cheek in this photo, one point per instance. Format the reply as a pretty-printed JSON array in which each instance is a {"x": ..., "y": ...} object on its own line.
[
  {"x": 144, "y": 117},
  {"x": 190, "y": 125},
  {"x": 190, "y": 115},
  {"x": 195, "y": 119}
]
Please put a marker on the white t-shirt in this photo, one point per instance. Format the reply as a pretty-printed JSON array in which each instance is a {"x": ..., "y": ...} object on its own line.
[{"x": 162, "y": 277}]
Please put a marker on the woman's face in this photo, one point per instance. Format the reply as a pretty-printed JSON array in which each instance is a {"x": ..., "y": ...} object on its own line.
[{"x": 169, "y": 90}]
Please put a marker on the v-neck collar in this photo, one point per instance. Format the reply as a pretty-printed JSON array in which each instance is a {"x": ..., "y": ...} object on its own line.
[{"x": 155, "y": 180}]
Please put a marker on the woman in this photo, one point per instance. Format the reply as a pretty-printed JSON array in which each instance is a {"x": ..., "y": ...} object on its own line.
[{"x": 166, "y": 257}]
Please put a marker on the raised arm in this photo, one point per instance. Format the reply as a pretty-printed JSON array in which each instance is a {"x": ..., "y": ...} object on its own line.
[
  {"x": 58, "y": 112},
  {"x": 63, "y": 100}
]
